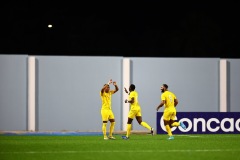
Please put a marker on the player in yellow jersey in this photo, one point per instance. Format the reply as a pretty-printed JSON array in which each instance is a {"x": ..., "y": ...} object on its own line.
[
  {"x": 135, "y": 111},
  {"x": 170, "y": 101},
  {"x": 106, "y": 110}
]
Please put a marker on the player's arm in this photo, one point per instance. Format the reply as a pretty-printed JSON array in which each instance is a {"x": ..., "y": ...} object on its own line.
[
  {"x": 175, "y": 102},
  {"x": 130, "y": 101},
  {"x": 161, "y": 104},
  {"x": 116, "y": 87},
  {"x": 103, "y": 88},
  {"x": 126, "y": 90}
]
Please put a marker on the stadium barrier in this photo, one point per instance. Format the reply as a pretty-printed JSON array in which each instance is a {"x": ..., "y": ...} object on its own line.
[{"x": 203, "y": 123}]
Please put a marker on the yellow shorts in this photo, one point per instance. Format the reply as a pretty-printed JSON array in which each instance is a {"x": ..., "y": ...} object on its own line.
[
  {"x": 107, "y": 114},
  {"x": 169, "y": 114},
  {"x": 134, "y": 113}
]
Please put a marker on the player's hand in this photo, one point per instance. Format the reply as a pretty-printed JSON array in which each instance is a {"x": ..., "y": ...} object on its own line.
[
  {"x": 125, "y": 90},
  {"x": 110, "y": 81},
  {"x": 126, "y": 101},
  {"x": 114, "y": 83}
]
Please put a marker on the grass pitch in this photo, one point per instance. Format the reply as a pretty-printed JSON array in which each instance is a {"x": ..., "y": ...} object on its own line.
[{"x": 138, "y": 147}]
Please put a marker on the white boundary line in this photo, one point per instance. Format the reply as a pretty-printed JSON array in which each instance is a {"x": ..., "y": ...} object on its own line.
[
  {"x": 128, "y": 151},
  {"x": 185, "y": 136}
]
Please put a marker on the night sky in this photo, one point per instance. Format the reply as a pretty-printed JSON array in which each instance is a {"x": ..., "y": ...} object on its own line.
[{"x": 146, "y": 29}]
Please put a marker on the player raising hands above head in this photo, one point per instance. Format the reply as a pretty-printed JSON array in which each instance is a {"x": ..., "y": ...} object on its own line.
[{"x": 106, "y": 110}]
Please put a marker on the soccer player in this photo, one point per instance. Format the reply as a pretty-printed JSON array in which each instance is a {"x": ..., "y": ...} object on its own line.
[
  {"x": 106, "y": 111},
  {"x": 170, "y": 101},
  {"x": 135, "y": 111}
]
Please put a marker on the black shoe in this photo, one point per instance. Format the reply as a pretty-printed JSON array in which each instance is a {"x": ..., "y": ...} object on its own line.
[{"x": 152, "y": 131}]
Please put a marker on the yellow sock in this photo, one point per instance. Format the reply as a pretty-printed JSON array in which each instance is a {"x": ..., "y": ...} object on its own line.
[
  {"x": 144, "y": 124},
  {"x": 176, "y": 124},
  {"x": 104, "y": 129},
  {"x": 111, "y": 128},
  {"x": 129, "y": 127},
  {"x": 168, "y": 129}
]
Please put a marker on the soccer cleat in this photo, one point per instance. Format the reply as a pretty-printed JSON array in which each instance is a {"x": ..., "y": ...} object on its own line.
[
  {"x": 152, "y": 131},
  {"x": 171, "y": 138},
  {"x": 125, "y": 137},
  {"x": 111, "y": 137},
  {"x": 105, "y": 138},
  {"x": 183, "y": 125}
]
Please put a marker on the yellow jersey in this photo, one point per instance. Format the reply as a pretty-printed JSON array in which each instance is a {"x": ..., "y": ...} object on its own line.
[
  {"x": 106, "y": 100},
  {"x": 134, "y": 95},
  {"x": 169, "y": 99}
]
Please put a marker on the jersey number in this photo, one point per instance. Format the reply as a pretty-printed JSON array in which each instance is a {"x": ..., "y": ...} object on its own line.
[{"x": 170, "y": 98}]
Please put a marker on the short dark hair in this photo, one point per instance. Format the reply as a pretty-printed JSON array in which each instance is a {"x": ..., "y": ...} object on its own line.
[
  {"x": 165, "y": 86},
  {"x": 132, "y": 86}
]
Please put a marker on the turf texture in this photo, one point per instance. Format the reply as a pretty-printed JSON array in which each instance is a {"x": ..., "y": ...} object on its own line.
[{"x": 138, "y": 147}]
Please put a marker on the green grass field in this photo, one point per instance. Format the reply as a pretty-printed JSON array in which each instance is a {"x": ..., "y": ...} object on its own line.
[{"x": 138, "y": 147}]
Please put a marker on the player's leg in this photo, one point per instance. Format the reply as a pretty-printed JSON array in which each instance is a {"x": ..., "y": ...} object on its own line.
[
  {"x": 131, "y": 115},
  {"x": 104, "y": 114},
  {"x": 112, "y": 124},
  {"x": 142, "y": 123},
  {"x": 129, "y": 126},
  {"x": 166, "y": 119},
  {"x": 167, "y": 126},
  {"x": 174, "y": 123}
]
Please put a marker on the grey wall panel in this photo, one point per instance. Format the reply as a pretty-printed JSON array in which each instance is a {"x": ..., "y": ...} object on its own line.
[
  {"x": 13, "y": 92},
  {"x": 69, "y": 91},
  {"x": 194, "y": 81},
  {"x": 234, "y": 85}
]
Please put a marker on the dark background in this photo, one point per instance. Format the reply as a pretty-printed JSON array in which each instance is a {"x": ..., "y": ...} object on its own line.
[{"x": 144, "y": 29}]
